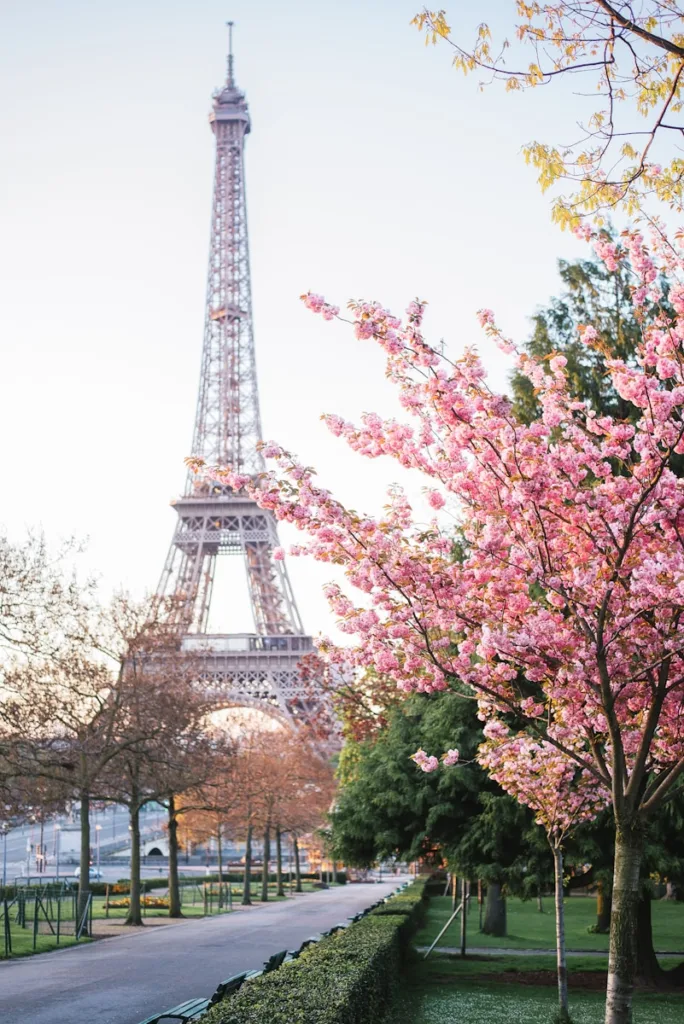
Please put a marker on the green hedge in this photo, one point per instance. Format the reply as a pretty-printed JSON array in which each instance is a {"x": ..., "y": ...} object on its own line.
[
  {"x": 410, "y": 901},
  {"x": 345, "y": 979}
]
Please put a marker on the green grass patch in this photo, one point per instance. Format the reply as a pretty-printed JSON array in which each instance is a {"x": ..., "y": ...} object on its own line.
[
  {"x": 528, "y": 929},
  {"x": 193, "y": 904},
  {"x": 447, "y": 990},
  {"x": 22, "y": 942}
]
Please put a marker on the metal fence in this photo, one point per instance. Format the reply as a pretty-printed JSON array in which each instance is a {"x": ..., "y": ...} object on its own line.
[{"x": 50, "y": 911}]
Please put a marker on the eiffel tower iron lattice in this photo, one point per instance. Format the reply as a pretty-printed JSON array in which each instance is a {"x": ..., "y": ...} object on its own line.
[{"x": 259, "y": 668}]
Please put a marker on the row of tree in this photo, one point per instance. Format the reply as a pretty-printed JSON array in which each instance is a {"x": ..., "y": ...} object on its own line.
[{"x": 97, "y": 703}]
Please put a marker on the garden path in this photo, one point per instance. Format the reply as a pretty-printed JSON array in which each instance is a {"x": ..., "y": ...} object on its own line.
[{"x": 125, "y": 979}]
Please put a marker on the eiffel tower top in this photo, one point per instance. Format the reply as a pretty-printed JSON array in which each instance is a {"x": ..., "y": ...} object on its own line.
[
  {"x": 227, "y": 421},
  {"x": 229, "y": 102}
]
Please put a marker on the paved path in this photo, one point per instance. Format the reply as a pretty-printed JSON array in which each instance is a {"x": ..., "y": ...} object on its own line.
[{"x": 125, "y": 979}]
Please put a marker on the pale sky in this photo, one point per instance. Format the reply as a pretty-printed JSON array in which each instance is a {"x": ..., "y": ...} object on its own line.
[{"x": 374, "y": 170}]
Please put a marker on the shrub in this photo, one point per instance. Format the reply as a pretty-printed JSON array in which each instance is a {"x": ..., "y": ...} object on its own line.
[
  {"x": 345, "y": 979},
  {"x": 411, "y": 903}
]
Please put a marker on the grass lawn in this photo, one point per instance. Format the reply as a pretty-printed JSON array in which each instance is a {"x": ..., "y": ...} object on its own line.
[
  {"x": 193, "y": 900},
  {"x": 528, "y": 929},
  {"x": 22, "y": 942},
  {"x": 446, "y": 990}
]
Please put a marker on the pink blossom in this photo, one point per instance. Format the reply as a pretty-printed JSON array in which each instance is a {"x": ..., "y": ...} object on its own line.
[
  {"x": 425, "y": 763},
  {"x": 436, "y": 499},
  {"x": 278, "y": 554},
  {"x": 558, "y": 363},
  {"x": 451, "y": 757}
]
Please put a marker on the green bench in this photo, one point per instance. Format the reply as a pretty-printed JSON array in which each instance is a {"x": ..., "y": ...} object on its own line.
[
  {"x": 193, "y": 1009},
  {"x": 274, "y": 962},
  {"x": 228, "y": 987},
  {"x": 308, "y": 942}
]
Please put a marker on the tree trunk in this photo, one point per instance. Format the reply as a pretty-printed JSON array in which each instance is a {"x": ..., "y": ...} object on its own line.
[
  {"x": 604, "y": 902},
  {"x": 279, "y": 862},
  {"x": 84, "y": 866},
  {"x": 267, "y": 857},
  {"x": 540, "y": 902},
  {"x": 465, "y": 890},
  {"x": 649, "y": 971},
  {"x": 219, "y": 857},
  {"x": 622, "y": 956},
  {"x": 298, "y": 874},
  {"x": 174, "y": 888},
  {"x": 561, "y": 963},
  {"x": 495, "y": 912},
  {"x": 134, "y": 916},
  {"x": 670, "y": 891},
  {"x": 247, "y": 884}
]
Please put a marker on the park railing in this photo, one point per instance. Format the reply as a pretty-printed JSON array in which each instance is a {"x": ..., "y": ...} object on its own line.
[{"x": 44, "y": 912}]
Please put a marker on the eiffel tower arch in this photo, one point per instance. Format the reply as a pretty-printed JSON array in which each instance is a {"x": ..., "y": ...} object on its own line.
[{"x": 260, "y": 668}]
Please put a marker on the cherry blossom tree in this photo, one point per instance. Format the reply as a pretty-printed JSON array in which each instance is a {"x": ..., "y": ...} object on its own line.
[
  {"x": 561, "y": 794},
  {"x": 562, "y": 606}
]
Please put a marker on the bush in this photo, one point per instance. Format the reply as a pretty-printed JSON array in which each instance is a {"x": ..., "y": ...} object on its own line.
[
  {"x": 410, "y": 903},
  {"x": 345, "y": 979}
]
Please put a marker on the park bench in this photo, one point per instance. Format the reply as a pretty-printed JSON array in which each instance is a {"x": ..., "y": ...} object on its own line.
[
  {"x": 228, "y": 987},
  {"x": 335, "y": 928},
  {"x": 308, "y": 942},
  {"x": 193, "y": 1009},
  {"x": 274, "y": 962}
]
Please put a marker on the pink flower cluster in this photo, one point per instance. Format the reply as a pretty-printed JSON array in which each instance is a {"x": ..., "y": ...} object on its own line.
[
  {"x": 425, "y": 763},
  {"x": 317, "y": 304},
  {"x": 559, "y": 790}
]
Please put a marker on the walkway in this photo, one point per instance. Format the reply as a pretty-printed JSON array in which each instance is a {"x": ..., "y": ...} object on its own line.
[{"x": 124, "y": 979}]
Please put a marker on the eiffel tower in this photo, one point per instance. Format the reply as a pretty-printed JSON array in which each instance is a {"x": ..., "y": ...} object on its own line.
[{"x": 259, "y": 668}]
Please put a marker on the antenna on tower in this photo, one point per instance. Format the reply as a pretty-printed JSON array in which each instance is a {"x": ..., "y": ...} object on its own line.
[{"x": 230, "y": 82}]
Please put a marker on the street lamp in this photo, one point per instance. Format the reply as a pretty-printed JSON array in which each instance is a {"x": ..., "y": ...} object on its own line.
[
  {"x": 57, "y": 832},
  {"x": 98, "y": 828},
  {"x": 5, "y": 830}
]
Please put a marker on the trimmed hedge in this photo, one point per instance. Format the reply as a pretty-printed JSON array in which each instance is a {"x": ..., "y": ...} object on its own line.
[
  {"x": 411, "y": 904},
  {"x": 347, "y": 978},
  {"x": 410, "y": 901}
]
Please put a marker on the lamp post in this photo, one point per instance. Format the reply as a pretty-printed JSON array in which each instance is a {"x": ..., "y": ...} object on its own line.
[
  {"x": 57, "y": 832},
  {"x": 5, "y": 830},
  {"x": 98, "y": 829}
]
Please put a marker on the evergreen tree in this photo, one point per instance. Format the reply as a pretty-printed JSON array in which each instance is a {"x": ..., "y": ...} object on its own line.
[
  {"x": 591, "y": 294},
  {"x": 388, "y": 808}
]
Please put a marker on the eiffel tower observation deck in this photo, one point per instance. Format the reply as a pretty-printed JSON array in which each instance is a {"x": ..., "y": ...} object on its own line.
[{"x": 259, "y": 668}]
